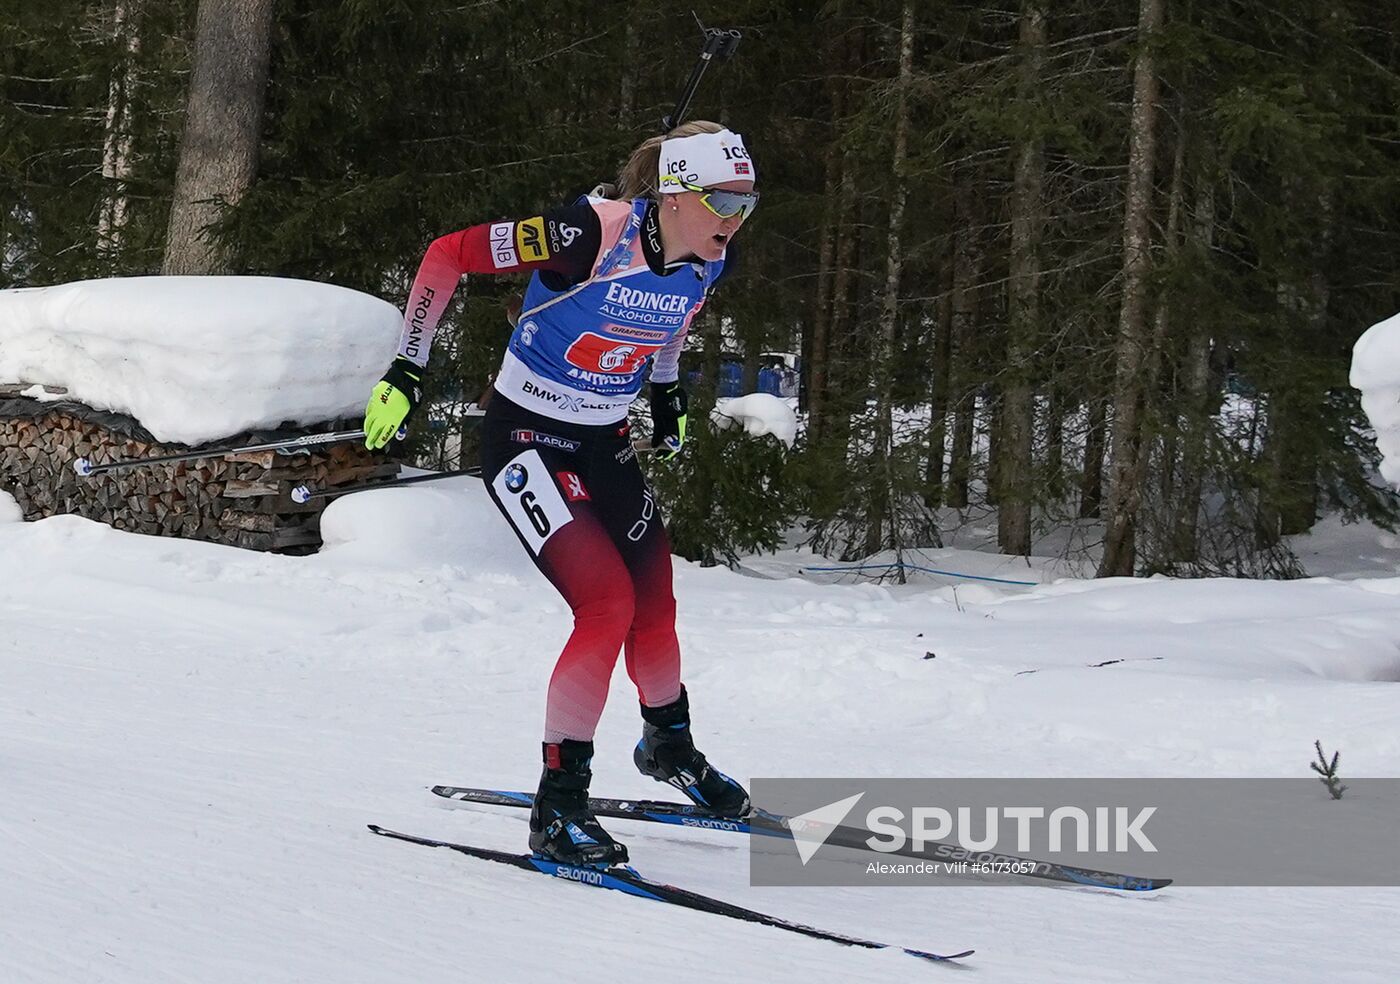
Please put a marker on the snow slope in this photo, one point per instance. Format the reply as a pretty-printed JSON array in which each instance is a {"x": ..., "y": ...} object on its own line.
[
  {"x": 193, "y": 737},
  {"x": 196, "y": 359}
]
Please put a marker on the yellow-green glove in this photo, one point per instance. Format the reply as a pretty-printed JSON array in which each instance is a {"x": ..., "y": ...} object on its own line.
[
  {"x": 668, "y": 412},
  {"x": 391, "y": 402}
]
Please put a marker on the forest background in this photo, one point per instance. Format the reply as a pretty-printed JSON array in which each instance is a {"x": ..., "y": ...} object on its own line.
[{"x": 1083, "y": 266}]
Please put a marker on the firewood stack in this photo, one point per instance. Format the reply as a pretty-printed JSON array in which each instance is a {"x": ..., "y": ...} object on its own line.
[{"x": 240, "y": 500}]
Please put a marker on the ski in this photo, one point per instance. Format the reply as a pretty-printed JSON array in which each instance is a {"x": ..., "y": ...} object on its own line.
[
  {"x": 776, "y": 825},
  {"x": 626, "y": 880}
]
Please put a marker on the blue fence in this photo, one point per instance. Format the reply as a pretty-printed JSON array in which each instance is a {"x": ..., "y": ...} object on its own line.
[{"x": 777, "y": 382}]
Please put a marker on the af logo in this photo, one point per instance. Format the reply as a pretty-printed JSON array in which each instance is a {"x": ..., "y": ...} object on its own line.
[
  {"x": 529, "y": 239},
  {"x": 516, "y": 477}
]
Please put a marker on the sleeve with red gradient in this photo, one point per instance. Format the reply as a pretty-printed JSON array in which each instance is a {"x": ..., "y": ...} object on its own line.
[{"x": 562, "y": 242}]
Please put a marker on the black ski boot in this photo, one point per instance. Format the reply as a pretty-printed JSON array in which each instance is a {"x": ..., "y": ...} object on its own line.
[
  {"x": 667, "y": 753},
  {"x": 562, "y": 827}
]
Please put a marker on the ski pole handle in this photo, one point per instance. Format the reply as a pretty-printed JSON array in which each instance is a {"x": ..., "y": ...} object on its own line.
[{"x": 719, "y": 44}]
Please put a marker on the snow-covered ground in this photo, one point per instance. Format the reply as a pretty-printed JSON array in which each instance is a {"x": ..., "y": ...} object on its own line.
[{"x": 192, "y": 739}]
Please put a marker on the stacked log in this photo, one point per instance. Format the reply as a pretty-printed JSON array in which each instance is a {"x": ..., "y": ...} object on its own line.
[{"x": 240, "y": 500}]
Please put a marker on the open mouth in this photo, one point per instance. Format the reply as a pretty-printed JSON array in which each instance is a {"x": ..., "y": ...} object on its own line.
[{"x": 721, "y": 238}]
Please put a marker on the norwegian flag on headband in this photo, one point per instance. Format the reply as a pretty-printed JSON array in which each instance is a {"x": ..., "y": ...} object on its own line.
[{"x": 741, "y": 167}]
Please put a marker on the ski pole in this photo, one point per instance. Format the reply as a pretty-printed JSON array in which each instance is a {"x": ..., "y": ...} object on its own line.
[
  {"x": 304, "y": 493},
  {"x": 295, "y": 445},
  {"x": 719, "y": 44}
]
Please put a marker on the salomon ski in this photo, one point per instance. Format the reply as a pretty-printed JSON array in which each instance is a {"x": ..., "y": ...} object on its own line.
[
  {"x": 625, "y": 879},
  {"x": 776, "y": 825}
]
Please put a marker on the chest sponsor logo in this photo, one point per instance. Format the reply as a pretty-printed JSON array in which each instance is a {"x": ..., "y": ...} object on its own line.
[
  {"x": 529, "y": 240},
  {"x": 572, "y": 404},
  {"x": 545, "y": 440},
  {"x": 503, "y": 252},
  {"x": 648, "y": 300},
  {"x": 595, "y": 354}
]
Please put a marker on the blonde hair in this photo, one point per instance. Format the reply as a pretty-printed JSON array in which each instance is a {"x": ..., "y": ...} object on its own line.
[{"x": 638, "y": 176}]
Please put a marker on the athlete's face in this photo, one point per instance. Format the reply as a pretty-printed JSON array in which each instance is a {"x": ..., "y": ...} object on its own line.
[{"x": 701, "y": 233}]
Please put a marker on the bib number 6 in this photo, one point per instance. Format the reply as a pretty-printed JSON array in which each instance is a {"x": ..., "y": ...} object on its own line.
[{"x": 531, "y": 500}]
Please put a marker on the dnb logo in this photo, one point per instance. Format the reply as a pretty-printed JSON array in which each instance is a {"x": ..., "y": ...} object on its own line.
[
  {"x": 516, "y": 477},
  {"x": 595, "y": 353}
]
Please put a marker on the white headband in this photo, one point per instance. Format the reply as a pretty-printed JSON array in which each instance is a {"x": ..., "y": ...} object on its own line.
[{"x": 704, "y": 159}]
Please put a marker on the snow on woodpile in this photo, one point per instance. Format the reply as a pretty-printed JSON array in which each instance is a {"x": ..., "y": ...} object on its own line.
[{"x": 195, "y": 359}]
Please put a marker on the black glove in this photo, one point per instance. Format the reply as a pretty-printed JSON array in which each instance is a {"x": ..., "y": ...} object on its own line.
[{"x": 668, "y": 411}]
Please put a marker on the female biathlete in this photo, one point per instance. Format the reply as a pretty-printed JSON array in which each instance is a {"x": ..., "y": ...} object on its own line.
[{"x": 614, "y": 287}]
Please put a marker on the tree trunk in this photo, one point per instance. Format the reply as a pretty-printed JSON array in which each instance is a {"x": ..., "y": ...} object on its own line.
[
  {"x": 1159, "y": 414},
  {"x": 117, "y": 136},
  {"x": 841, "y": 375},
  {"x": 748, "y": 379},
  {"x": 1055, "y": 442},
  {"x": 816, "y": 370},
  {"x": 939, "y": 378},
  {"x": 1125, "y": 492},
  {"x": 223, "y": 128},
  {"x": 887, "y": 496},
  {"x": 1196, "y": 380},
  {"x": 627, "y": 88},
  {"x": 991, "y": 409},
  {"x": 967, "y": 273},
  {"x": 1289, "y": 498},
  {"x": 1091, "y": 482},
  {"x": 1013, "y": 475}
]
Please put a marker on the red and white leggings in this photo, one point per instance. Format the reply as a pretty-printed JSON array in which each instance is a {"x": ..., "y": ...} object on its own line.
[{"x": 578, "y": 501}]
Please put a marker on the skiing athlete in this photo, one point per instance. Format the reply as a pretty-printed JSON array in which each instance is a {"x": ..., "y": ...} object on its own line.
[{"x": 614, "y": 287}]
